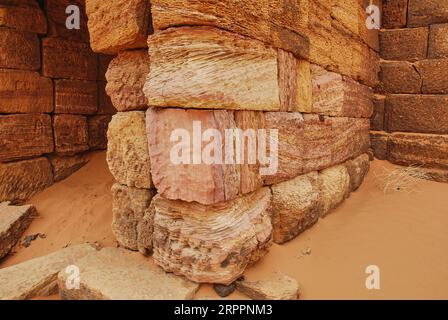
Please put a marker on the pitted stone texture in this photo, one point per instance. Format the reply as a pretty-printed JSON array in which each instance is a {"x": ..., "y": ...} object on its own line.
[
  {"x": 63, "y": 167},
  {"x": 28, "y": 58},
  {"x": 28, "y": 18},
  {"x": 334, "y": 185}
]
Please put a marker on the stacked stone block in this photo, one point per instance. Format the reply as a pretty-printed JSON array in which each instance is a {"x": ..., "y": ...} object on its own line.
[
  {"x": 304, "y": 68},
  {"x": 53, "y": 105},
  {"x": 410, "y": 121}
]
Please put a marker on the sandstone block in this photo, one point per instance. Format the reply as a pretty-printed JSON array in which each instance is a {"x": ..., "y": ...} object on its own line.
[
  {"x": 404, "y": 44},
  {"x": 118, "y": 25},
  {"x": 101, "y": 276},
  {"x": 379, "y": 141},
  {"x": 126, "y": 77},
  {"x": 19, "y": 50},
  {"x": 334, "y": 184},
  {"x": 423, "y": 13},
  {"x": 394, "y": 14},
  {"x": 27, "y": 19},
  {"x": 187, "y": 55},
  {"x": 38, "y": 277},
  {"x": 417, "y": 113},
  {"x": 21, "y": 180},
  {"x": 212, "y": 244},
  {"x": 70, "y": 134},
  {"x": 277, "y": 287},
  {"x": 14, "y": 220},
  {"x": 63, "y": 167},
  {"x": 377, "y": 120},
  {"x": 129, "y": 207},
  {"x": 357, "y": 170},
  {"x": 105, "y": 105},
  {"x": 434, "y": 75},
  {"x": 56, "y": 15},
  {"x": 399, "y": 77},
  {"x": 25, "y": 92},
  {"x": 438, "y": 41},
  {"x": 24, "y": 136},
  {"x": 76, "y": 97},
  {"x": 127, "y": 152},
  {"x": 97, "y": 127},
  {"x": 68, "y": 60},
  {"x": 294, "y": 206}
]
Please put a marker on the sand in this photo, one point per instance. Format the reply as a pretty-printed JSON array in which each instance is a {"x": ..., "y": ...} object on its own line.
[{"x": 404, "y": 233}]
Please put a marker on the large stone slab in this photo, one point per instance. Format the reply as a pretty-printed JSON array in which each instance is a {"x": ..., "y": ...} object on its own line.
[
  {"x": 438, "y": 41},
  {"x": 14, "y": 220},
  {"x": 76, "y": 97},
  {"x": 294, "y": 206},
  {"x": 21, "y": 180},
  {"x": 276, "y": 287},
  {"x": 334, "y": 184},
  {"x": 118, "y": 25},
  {"x": 404, "y": 44},
  {"x": 25, "y": 92},
  {"x": 63, "y": 167},
  {"x": 24, "y": 136},
  {"x": 56, "y": 15},
  {"x": 127, "y": 152},
  {"x": 97, "y": 127},
  {"x": 211, "y": 244},
  {"x": 116, "y": 274},
  {"x": 208, "y": 68},
  {"x": 23, "y": 18},
  {"x": 126, "y": 77},
  {"x": 19, "y": 50},
  {"x": 394, "y": 14},
  {"x": 38, "y": 277},
  {"x": 70, "y": 134},
  {"x": 434, "y": 75},
  {"x": 399, "y": 77},
  {"x": 423, "y": 13}
]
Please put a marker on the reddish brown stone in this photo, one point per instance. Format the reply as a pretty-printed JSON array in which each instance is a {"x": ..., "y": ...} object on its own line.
[
  {"x": 404, "y": 44},
  {"x": 379, "y": 141},
  {"x": 97, "y": 126},
  {"x": 70, "y": 134},
  {"x": 105, "y": 105},
  {"x": 24, "y": 136},
  {"x": 394, "y": 14},
  {"x": 377, "y": 119},
  {"x": 426, "y": 12},
  {"x": 103, "y": 64},
  {"x": 399, "y": 77},
  {"x": 434, "y": 75},
  {"x": 63, "y": 167},
  {"x": 19, "y": 50},
  {"x": 23, "y": 18},
  {"x": 56, "y": 15},
  {"x": 76, "y": 97},
  {"x": 438, "y": 41}
]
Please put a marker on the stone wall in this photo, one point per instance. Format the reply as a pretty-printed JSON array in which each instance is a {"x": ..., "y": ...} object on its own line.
[
  {"x": 53, "y": 105},
  {"x": 304, "y": 68},
  {"x": 410, "y": 121}
]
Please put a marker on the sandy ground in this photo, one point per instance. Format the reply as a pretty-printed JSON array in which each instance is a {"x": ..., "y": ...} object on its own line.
[{"x": 404, "y": 233}]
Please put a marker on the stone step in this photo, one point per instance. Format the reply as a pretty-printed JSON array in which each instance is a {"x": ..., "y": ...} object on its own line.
[{"x": 117, "y": 274}]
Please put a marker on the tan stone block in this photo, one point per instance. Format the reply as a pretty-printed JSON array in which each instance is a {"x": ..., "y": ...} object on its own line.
[
  {"x": 404, "y": 44},
  {"x": 317, "y": 142},
  {"x": 19, "y": 50},
  {"x": 97, "y": 127},
  {"x": 399, "y": 77},
  {"x": 76, "y": 97},
  {"x": 334, "y": 184},
  {"x": 276, "y": 287},
  {"x": 70, "y": 134}
]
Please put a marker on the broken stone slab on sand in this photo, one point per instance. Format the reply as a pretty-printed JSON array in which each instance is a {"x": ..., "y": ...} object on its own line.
[
  {"x": 38, "y": 277},
  {"x": 117, "y": 274},
  {"x": 277, "y": 287},
  {"x": 14, "y": 220}
]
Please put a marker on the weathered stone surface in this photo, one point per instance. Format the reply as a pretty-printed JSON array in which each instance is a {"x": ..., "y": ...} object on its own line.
[
  {"x": 10, "y": 41},
  {"x": 423, "y": 13},
  {"x": 145, "y": 231},
  {"x": 105, "y": 105},
  {"x": 129, "y": 206},
  {"x": 203, "y": 67},
  {"x": 56, "y": 15},
  {"x": 97, "y": 127},
  {"x": 438, "y": 41},
  {"x": 38, "y": 277},
  {"x": 277, "y": 287},
  {"x": 189, "y": 177},
  {"x": 25, "y": 92},
  {"x": 70, "y": 134},
  {"x": 380, "y": 142},
  {"x": 334, "y": 184},
  {"x": 126, "y": 77},
  {"x": 13, "y": 222},
  {"x": 21, "y": 180},
  {"x": 357, "y": 170},
  {"x": 399, "y": 77},
  {"x": 63, "y": 167},
  {"x": 279, "y": 23},
  {"x": 76, "y": 97},
  {"x": 118, "y": 25},
  {"x": 294, "y": 206},
  {"x": 434, "y": 75},
  {"x": 116, "y": 274},
  {"x": 394, "y": 14},
  {"x": 404, "y": 44},
  {"x": 127, "y": 152},
  {"x": 28, "y": 19},
  {"x": 24, "y": 136},
  {"x": 417, "y": 113},
  {"x": 212, "y": 244},
  {"x": 339, "y": 96},
  {"x": 428, "y": 150},
  {"x": 377, "y": 119},
  {"x": 68, "y": 60}
]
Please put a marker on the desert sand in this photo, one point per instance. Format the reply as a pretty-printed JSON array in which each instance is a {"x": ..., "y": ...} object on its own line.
[{"x": 403, "y": 232}]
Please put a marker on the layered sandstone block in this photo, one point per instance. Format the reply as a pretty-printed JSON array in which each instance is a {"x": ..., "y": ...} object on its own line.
[
  {"x": 29, "y": 56},
  {"x": 380, "y": 144},
  {"x": 55, "y": 10},
  {"x": 29, "y": 18},
  {"x": 399, "y": 77},
  {"x": 127, "y": 152},
  {"x": 63, "y": 167},
  {"x": 434, "y": 75},
  {"x": 334, "y": 185},
  {"x": 423, "y": 13},
  {"x": 25, "y": 92},
  {"x": 211, "y": 244},
  {"x": 126, "y": 76},
  {"x": 97, "y": 128},
  {"x": 24, "y": 136},
  {"x": 438, "y": 41},
  {"x": 118, "y": 24},
  {"x": 394, "y": 14},
  {"x": 70, "y": 134},
  {"x": 404, "y": 44},
  {"x": 68, "y": 60},
  {"x": 21, "y": 180},
  {"x": 76, "y": 97}
]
